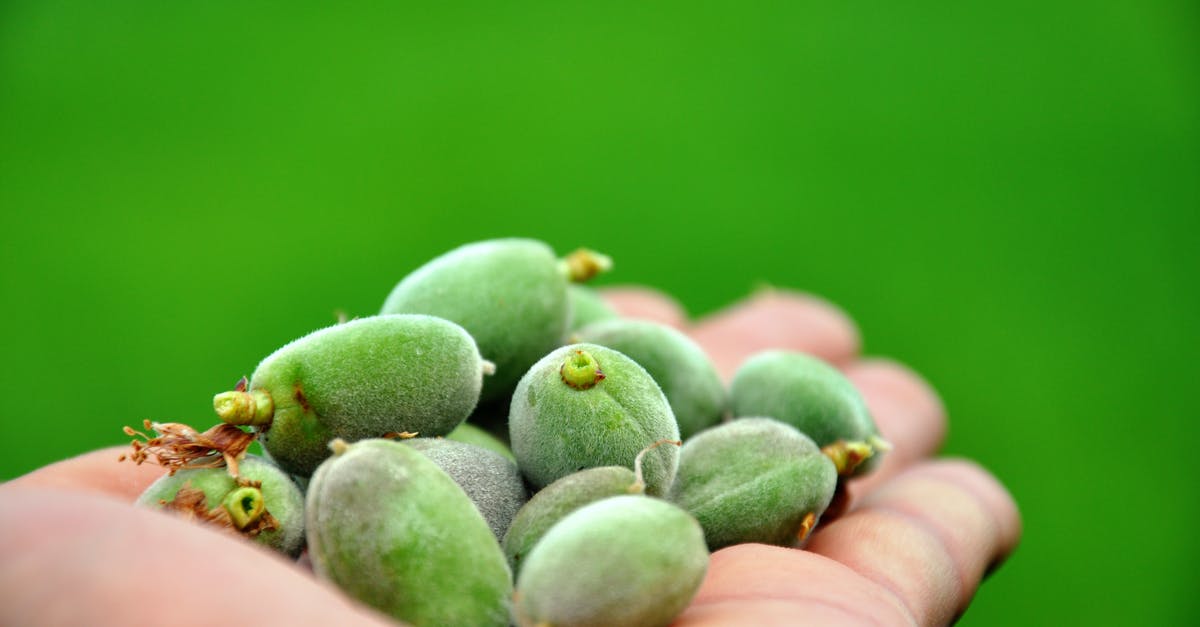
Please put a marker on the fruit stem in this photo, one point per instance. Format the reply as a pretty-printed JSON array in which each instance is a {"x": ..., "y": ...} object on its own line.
[
  {"x": 583, "y": 264},
  {"x": 581, "y": 371},
  {"x": 639, "y": 481},
  {"x": 847, "y": 455},
  {"x": 338, "y": 446},
  {"x": 245, "y": 408},
  {"x": 245, "y": 506}
]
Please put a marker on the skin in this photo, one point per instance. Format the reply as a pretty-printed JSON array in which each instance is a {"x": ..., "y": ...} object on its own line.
[{"x": 916, "y": 540}]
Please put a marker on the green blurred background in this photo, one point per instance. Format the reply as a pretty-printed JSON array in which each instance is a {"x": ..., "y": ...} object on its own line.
[{"x": 1005, "y": 196}]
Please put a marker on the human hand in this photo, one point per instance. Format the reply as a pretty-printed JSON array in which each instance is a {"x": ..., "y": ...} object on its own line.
[
  {"x": 914, "y": 543},
  {"x": 917, "y": 535}
]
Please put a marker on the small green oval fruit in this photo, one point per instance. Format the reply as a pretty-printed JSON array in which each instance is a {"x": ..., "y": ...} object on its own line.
[
  {"x": 558, "y": 499},
  {"x": 391, "y": 529},
  {"x": 242, "y": 507},
  {"x": 365, "y": 378},
  {"x": 754, "y": 480},
  {"x": 510, "y": 294},
  {"x": 583, "y": 406},
  {"x": 492, "y": 481},
  {"x": 814, "y": 397},
  {"x": 625, "y": 560},
  {"x": 587, "y": 306},
  {"x": 680, "y": 367}
]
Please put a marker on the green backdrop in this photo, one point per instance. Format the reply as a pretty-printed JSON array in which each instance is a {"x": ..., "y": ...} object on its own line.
[{"x": 1004, "y": 195}]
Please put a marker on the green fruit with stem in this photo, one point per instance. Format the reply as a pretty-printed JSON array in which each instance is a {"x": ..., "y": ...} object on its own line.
[
  {"x": 814, "y": 397},
  {"x": 510, "y": 294},
  {"x": 754, "y": 480},
  {"x": 680, "y": 367},
  {"x": 366, "y": 378},
  {"x": 394, "y": 531},
  {"x": 585, "y": 405},
  {"x": 262, "y": 503}
]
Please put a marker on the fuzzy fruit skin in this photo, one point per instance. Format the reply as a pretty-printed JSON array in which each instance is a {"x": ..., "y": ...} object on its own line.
[
  {"x": 558, "y": 499},
  {"x": 680, "y": 367},
  {"x": 364, "y": 379},
  {"x": 587, "y": 306},
  {"x": 625, "y": 560},
  {"x": 808, "y": 394},
  {"x": 753, "y": 480},
  {"x": 491, "y": 480},
  {"x": 391, "y": 529},
  {"x": 474, "y": 434},
  {"x": 509, "y": 294},
  {"x": 282, "y": 496},
  {"x": 557, "y": 429}
]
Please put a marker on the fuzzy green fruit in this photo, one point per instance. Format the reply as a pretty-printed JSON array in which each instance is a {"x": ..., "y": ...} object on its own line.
[
  {"x": 362, "y": 379},
  {"x": 754, "y": 480},
  {"x": 510, "y": 294},
  {"x": 587, "y": 306},
  {"x": 625, "y": 560},
  {"x": 491, "y": 480},
  {"x": 680, "y": 367},
  {"x": 584, "y": 406},
  {"x": 560, "y": 498},
  {"x": 276, "y": 495},
  {"x": 814, "y": 397},
  {"x": 391, "y": 529}
]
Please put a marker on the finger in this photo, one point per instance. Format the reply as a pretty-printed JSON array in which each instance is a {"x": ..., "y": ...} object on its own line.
[
  {"x": 121, "y": 565},
  {"x": 97, "y": 471},
  {"x": 928, "y": 536},
  {"x": 776, "y": 319},
  {"x": 759, "y": 585},
  {"x": 908, "y": 412},
  {"x": 632, "y": 301}
]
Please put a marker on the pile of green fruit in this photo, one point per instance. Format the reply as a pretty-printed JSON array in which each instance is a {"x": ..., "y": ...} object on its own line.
[{"x": 401, "y": 450}]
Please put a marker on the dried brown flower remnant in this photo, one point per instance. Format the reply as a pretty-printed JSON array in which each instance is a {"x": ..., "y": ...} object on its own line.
[
  {"x": 179, "y": 446},
  {"x": 846, "y": 456},
  {"x": 192, "y": 504}
]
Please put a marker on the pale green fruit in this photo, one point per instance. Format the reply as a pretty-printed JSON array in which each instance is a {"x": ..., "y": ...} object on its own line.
[
  {"x": 394, "y": 531},
  {"x": 754, "y": 480},
  {"x": 584, "y": 406},
  {"x": 510, "y": 294},
  {"x": 680, "y": 367},
  {"x": 814, "y": 397},
  {"x": 366, "y": 378},
  {"x": 560, "y": 498},
  {"x": 625, "y": 560},
  {"x": 280, "y": 497}
]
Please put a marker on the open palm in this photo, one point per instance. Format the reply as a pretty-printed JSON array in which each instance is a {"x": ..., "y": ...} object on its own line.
[{"x": 913, "y": 541}]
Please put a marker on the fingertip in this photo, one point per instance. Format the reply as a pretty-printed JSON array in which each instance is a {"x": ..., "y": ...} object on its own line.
[
  {"x": 929, "y": 534},
  {"x": 976, "y": 479},
  {"x": 754, "y": 584},
  {"x": 99, "y": 471},
  {"x": 777, "y": 319}
]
